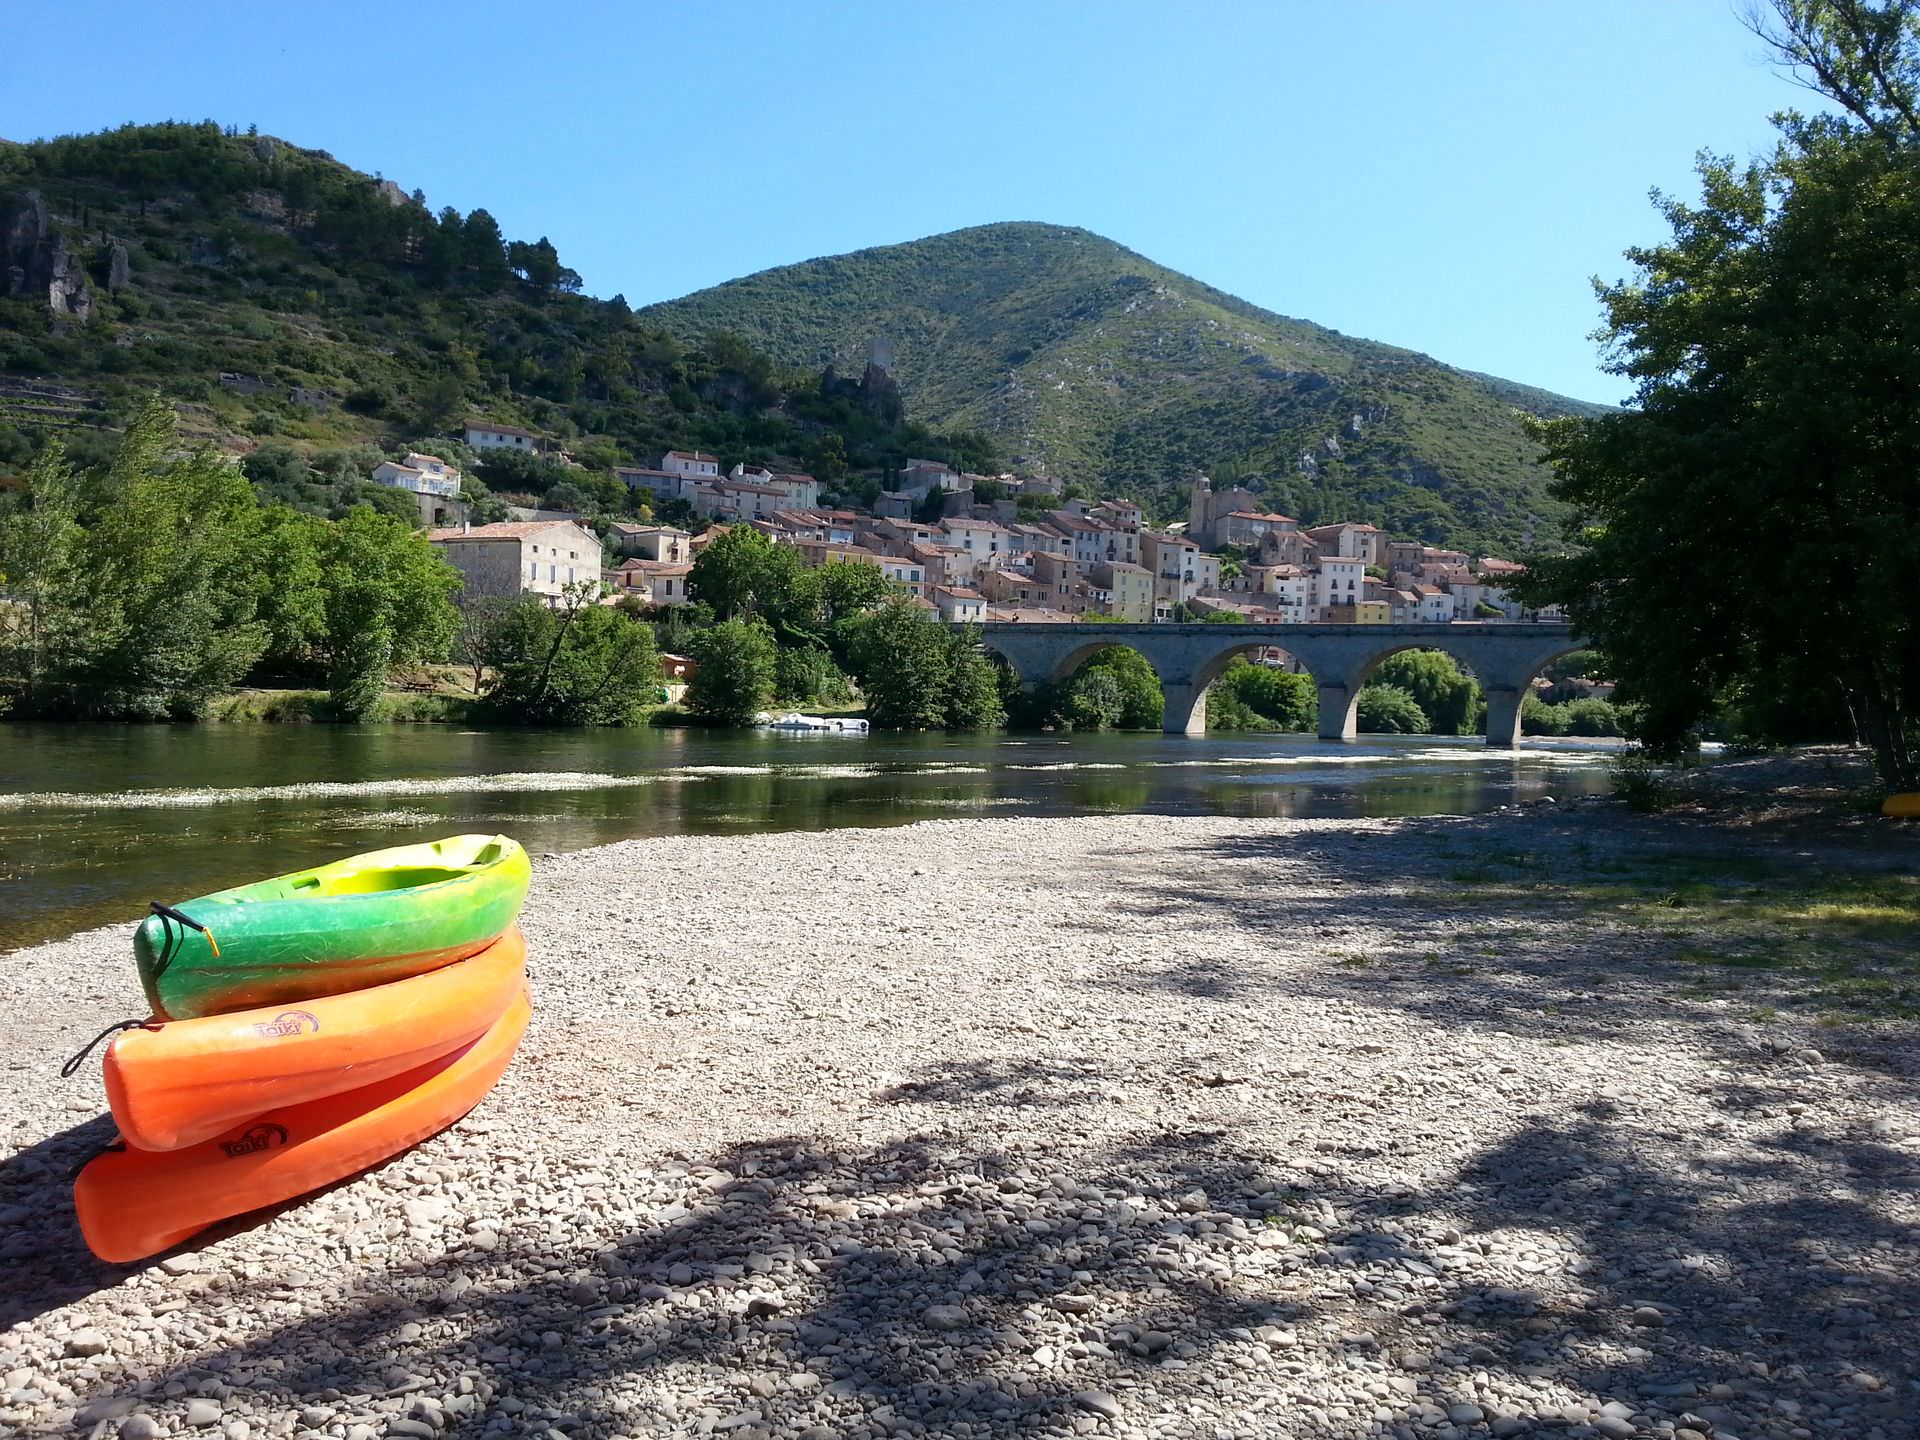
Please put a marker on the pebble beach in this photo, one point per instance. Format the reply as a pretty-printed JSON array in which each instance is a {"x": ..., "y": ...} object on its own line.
[{"x": 1129, "y": 1125}]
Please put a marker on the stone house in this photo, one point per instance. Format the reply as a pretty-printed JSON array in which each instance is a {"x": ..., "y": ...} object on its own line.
[
  {"x": 959, "y": 605},
  {"x": 520, "y": 557},
  {"x": 434, "y": 485},
  {"x": 1123, "y": 591},
  {"x": 663, "y": 543},
  {"x": 488, "y": 435},
  {"x": 656, "y": 582},
  {"x": 1341, "y": 581},
  {"x": 694, "y": 464}
]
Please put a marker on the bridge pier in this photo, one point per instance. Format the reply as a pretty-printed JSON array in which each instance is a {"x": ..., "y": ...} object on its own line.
[
  {"x": 1503, "y": 716},
  {"x": 1186, "y": 708},
  {"x": 1337, "y": 717}
]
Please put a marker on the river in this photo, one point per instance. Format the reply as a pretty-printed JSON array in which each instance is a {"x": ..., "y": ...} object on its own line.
[{"x": 96, "y": 820}]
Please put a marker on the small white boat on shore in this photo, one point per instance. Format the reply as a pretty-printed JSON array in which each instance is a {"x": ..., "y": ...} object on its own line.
[{"x": 793, "y": 722}]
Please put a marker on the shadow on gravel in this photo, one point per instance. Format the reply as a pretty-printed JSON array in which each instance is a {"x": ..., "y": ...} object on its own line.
[
  {"x": 918, "y": 1289},
  {"x": 44, "y": 1262},
  {"x": 1001, "y": 1082},
  {"x": 1535, "y": 926}
]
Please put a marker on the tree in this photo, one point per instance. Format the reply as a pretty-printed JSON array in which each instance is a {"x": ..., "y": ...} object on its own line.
[
  {"x": 827, "y": 456},
  {"x": 289, "y": 590},
  {"x": 1537, "y": 717},
  {"x": 1261, "y": 697},
  {"x": 1592, "y": 716},
  {"x": 901, "y": 661},
  {"x": 139, "y": 586},
  {"x": 538, "y": 264},
  {"x": 388, "y": 601},
  {"x": 804, "y": 675},
  {"x": 574, "y": 663},
  {"x": 1449, "y": 699},
  {"x": 1142, "y": 705},
  {"x": 1756, "y": 504},
  {"x": 483, "y": 251},
  {"x": 1094, "y": 700},
  {"x": 736, "y": 666},
  {"x": 1389, "y": 710},
  {"x": 441, "y": 401},
  {"x": 973, "y": 684},
  {"x": 480, "y": 618},
  {"x": 744, "y": 573},
  {"x": 919, "y": 674},
  {"x": 845, "y": 588}
]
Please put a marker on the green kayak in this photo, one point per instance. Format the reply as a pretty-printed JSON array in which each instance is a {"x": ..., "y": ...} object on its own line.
[{"x": 344, "y": 926}]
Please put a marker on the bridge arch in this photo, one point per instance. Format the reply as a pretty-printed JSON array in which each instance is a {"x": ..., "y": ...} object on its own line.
[
  {"x": 1504, "y": 657},
  {"x": 1191, "y": 718},
  {"x": 1504, "y": 671}
]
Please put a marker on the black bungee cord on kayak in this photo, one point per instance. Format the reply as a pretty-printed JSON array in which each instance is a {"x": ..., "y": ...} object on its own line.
[
  {"x": 168, "y": 916},
  {"x": 73, "y": 1064}
]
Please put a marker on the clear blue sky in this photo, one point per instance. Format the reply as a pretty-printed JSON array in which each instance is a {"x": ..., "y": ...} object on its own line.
[{"x": 1440, "y": 174}]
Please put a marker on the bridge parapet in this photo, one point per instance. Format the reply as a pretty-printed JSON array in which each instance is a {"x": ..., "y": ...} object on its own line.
[{"x": 1503, "y": 657}]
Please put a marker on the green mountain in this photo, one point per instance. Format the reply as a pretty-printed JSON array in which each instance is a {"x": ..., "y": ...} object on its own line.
[
  {"x": 315, "y": 315},
  {"x": 287, "y": 302},
  {"x": 1090, "y": 362}
]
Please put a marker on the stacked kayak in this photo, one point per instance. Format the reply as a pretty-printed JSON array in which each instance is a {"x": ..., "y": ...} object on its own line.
[
  {"x": 304, "y": 1028},
  {"x": 1902, "y": 807}
]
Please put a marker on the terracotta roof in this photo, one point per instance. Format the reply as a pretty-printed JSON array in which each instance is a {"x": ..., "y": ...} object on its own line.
[
  {"x": 509, "y": 530},
  {"x": 692, "y": 455},
  {"x": 1066, "y": 520},
  {"x": 1261, "y": 515}
]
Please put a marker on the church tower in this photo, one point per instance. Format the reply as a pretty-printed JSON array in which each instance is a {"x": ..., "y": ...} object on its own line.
[{"x": 1200, "y": 510}]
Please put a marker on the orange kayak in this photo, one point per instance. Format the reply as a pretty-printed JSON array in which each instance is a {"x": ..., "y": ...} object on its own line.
[
  {"x": 135, "y": 1203},
  {"x": 175, "y": 1083}
]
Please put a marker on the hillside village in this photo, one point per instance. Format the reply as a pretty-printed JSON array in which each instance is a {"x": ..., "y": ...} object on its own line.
[{"x": 968, "y": 560}]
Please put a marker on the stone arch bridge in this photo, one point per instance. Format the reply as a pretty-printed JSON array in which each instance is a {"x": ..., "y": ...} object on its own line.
[{"x": 1504, "y": 658}]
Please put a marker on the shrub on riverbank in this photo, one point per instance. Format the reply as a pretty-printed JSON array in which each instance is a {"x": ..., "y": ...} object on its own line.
[
  {"x": 737, "y": 667},
  {"x": 1588, "y": 718},
  {"x": 919, "y": 674},
  {"x": 575, "y": 663},
  {"x": 299, "y": 707},
  {"x": 152, "y": 585},
  {"x": 1389, "y": 710},
  {"x": 1261, "y": 697},
  {"x": 1449, "y": 699}
]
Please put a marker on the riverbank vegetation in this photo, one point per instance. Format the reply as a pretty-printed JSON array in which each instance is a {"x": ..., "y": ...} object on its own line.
[{"x": 152, "y": 585}]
